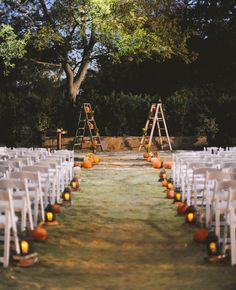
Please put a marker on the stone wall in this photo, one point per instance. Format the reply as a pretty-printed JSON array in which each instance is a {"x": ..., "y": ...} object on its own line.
[{"x": 130, "y": 143}]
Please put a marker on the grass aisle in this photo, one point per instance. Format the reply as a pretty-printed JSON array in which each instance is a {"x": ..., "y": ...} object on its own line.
[{"x": 121, "y": 233}]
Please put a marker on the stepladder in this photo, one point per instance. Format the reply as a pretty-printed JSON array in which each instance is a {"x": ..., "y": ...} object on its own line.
[
  {"x": 87, "y": 127},
  {"x": 155, "y": 123}
]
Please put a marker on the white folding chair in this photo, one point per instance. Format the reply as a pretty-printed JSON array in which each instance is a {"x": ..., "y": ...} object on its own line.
[
  {"x": 12, "y": 164},
  {"x": 35, "y": 191},
  {"x": 54, "y": 178},
  {"x": 212, "y": 176},
  {"x": 8, "y": 221},
  {"x": 231, "y": 224},
  {"x": 197, "y": 185},
  {"x": 44, "y": 178},
  {"x": 21, "y": 200},
  {"x": 3, "y": 170},
  {"x": 219, "y": 204}
]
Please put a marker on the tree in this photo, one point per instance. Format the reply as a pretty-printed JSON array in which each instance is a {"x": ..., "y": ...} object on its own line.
[
  {"x": 70, "y": 35},
  {"x": 10, "y": 47}
]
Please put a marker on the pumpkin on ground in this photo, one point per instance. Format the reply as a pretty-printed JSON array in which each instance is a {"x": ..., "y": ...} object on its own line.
[
  {"x": 39, "y": 234},
  {"x": 170, "y": 193},
  {"x": 181, "y": 209},
  {"x": 87, "y": 164},
  {"x": 156, "y": 163},
  {"x": 56, "y": 208},
  {"x": 87, "y": 109},
  {"x": 200, "y": 235},
  {"x": 96, "y": 159},
  {"x": 167, "y": 165},
  {"x": 164, "y": 183},
  {"x": 145, "y": 155}
]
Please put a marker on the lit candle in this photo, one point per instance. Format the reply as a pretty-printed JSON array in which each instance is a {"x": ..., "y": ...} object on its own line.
[
  {"x": 24, "y": 247},
  {"x": 170, "y": 185},
  {"x": 212, "y": 247},
  {"x": 178, "y": 196},
  {"x": 74, "y": 184},
  {"x": 190, "y": 217},
  {"x": 49, "y": 216},
  {"x": 67, "y": 196}
]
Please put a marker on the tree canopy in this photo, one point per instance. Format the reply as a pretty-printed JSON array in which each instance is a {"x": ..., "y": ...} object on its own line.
[
  {"x": 10, "y": 47},
  {"x": 69, "y": 36}
]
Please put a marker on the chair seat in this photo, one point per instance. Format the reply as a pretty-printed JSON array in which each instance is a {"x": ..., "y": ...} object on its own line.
[{"x": 3, "y": 220}]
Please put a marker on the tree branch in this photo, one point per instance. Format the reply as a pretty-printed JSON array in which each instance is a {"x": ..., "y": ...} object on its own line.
[
  {"x": 46, "y": 63},
  {"x": 46, "y": 13}
]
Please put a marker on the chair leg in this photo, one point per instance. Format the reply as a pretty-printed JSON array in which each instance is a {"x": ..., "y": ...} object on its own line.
[
  {"x": 42, "y": 206},
  {"x": 36, "y": 209},
  {"x": 208, "y": 211},
  {"x": 29, "y": 212},
  {"x": 217, "y": 224},
  {"x": 233, "y": 244},
  {"x": 7, "y": 232}
]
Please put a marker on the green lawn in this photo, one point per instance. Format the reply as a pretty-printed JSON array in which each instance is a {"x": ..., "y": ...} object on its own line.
[{"x": 120, "y": 233}]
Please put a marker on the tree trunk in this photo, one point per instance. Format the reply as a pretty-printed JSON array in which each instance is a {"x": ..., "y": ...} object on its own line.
[{"x": 74, "y": 83}]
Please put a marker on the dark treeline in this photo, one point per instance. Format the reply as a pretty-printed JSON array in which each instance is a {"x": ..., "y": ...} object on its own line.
[{"x": 199, "y": 97}]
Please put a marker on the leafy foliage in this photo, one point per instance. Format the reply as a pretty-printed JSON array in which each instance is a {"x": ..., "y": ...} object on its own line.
[{"x": 10, "y": 47}]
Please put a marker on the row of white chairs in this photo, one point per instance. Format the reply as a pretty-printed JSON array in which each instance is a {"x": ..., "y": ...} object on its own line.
[
  {"x": 29, "y": 179},
  {"x": 208, "y": 182}
]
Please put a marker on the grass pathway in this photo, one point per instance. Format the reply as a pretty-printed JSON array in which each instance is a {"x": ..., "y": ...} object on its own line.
[{"x": 121, "y": 234}]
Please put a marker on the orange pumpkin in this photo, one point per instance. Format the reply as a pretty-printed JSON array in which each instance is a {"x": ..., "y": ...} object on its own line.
[
  {"x": 96, "y": 159},
  {"x": 156, "y": 163},
  {"x": 39, "y": 234},
  {"x": 145, "y": 155},
  {"x": 149, "y": 159},
  {"x": 87, "y": 164},
  {"x": 170, "y": 193},
  {"x": 87, "y": 109},
  {"x": 91, "y": 159},
  {"x": 164, "y": 183},
  {"x": 57, "y": 208},
  {"x": 181, "y": 209},
  {"x": 167, "y": 165},
  {"x": 200, "y": 235}
]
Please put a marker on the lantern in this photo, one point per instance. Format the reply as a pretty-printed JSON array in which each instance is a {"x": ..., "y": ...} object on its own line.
[
  {"x": 190, "y": 214},
  {"x": 162, "y": 174},
  {"x": 25, "y": 240},
  {"x": 169, "y": 185},
  {"x": 75, "y": 184},
  {"x": 213, "y": 247},
  {"x": 50, "y": 216},
  {"x": 66, "y": 196},
  {"x": 178, "y": 195}
]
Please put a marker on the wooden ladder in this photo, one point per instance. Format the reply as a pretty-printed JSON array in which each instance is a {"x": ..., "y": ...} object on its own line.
[
  {"x": 87, "y": 126},
  {"x": 156, "y": 119}
]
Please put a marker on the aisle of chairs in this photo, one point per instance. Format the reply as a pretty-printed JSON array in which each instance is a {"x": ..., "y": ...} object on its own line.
[
  {"x": 30, "y": 178},
  {"x": 208, "y": 181}
]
